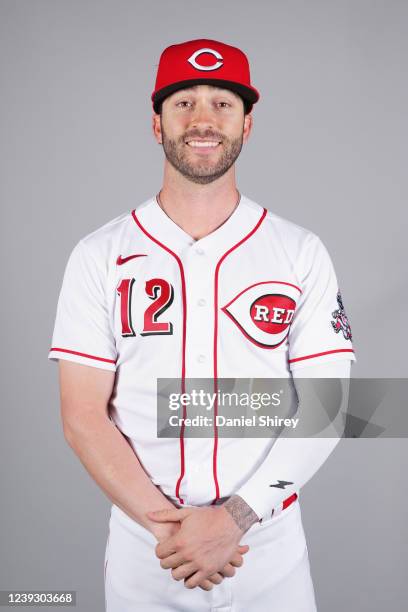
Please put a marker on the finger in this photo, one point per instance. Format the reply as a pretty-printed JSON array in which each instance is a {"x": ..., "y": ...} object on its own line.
[
  {"x": 184, "y": 571},
  {"x": 164, "y": 516},
  {"x": 237, "y": 560},
  {"x": 242, "y": 549},
  {"x": 194, "y": 580},
  {"x": 172, "y": 561},
  {"x": 165, "y": 549},
  {"x": 228, "y": 571},
  {"x": 216, "y": 578},
  {"x": 206, "y": 585}
]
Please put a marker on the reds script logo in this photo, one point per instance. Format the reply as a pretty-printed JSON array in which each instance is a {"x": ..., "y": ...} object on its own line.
[
  {"x": 263, "y": 312},
  {"x": 341, "y": 322}
]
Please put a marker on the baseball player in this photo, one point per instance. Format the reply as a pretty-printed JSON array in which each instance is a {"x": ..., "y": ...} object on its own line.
[{"x": 198, "y": 281}]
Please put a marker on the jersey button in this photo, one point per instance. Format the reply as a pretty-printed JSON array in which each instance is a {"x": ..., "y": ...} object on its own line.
[
  {"x": 201, "y": 358},
  {"x": 199, "y": 251},
  {"x": 202, "y": 302}
]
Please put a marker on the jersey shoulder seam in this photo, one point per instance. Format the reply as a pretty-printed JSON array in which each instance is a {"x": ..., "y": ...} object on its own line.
[
  {"x": 271, "y": 216},
  {"x": 123, "y": 218}
]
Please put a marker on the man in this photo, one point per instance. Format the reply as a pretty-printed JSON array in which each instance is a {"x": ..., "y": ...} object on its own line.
[{"x": 198, "y": 282}]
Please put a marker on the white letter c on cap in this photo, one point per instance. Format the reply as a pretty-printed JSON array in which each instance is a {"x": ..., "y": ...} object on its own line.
[{"x": 217, "y": 56}]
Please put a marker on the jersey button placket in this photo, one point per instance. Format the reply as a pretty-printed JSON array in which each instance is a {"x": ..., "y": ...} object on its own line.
[
  {"x": 199, "y": 282},
  {"x": 199, "y": 272}
]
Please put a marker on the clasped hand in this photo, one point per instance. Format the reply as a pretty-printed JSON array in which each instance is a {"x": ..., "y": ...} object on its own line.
[{"x": 201, "y": 545}]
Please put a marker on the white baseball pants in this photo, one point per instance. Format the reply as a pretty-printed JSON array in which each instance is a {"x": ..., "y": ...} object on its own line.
[{"x": 275, "y": 576}]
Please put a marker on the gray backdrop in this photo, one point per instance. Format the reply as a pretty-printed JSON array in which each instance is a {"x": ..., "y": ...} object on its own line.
[{"x": 327, "y": 151}]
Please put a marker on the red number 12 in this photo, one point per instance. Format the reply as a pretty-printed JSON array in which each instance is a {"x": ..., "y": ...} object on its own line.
[{"x": 162, "y": 294}]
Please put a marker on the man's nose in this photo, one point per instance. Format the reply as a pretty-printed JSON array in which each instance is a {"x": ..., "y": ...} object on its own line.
[{"x": 203, "y": 115}]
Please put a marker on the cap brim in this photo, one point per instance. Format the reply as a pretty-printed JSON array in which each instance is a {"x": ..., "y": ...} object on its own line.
[{"x": 249, "y": 94}]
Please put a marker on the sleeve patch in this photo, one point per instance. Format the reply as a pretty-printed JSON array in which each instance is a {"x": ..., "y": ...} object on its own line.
[{"x": 341, "y": 322}]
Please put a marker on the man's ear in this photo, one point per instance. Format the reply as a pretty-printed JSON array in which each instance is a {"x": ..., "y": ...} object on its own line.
[
  {"x": 248, "y": 122},
  {"x": 156, "y": 126}
]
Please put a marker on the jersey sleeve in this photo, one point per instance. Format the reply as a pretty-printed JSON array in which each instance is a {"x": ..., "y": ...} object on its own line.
[
  {"x": 320, "y": 331},
  {"x": 82, "y": 330}
]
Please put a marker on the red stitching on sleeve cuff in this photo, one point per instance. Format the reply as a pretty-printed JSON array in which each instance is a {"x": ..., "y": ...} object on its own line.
[
  {"x": 320, "y": 354},
  {"x": 61, "y": 350}
]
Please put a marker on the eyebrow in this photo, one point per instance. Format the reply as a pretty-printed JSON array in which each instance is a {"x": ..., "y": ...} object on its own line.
[{"x": 193, "y": 88}]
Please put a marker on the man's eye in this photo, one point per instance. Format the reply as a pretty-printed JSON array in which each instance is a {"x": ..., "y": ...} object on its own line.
[
  {"x": 183, "y": 103},
  {"x": 224, "y": 104}
]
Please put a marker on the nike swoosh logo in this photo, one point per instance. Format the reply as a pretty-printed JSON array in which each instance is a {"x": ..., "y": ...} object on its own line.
[{"x": 121, "y": 260}]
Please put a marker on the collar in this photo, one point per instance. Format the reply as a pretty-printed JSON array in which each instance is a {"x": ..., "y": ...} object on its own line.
[{"x": 154, "y": 222}]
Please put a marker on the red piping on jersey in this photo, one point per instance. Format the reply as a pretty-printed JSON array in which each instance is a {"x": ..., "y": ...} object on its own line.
[
  {"x": 61, "y": 350},
  {"x": 183, "y": 359},
  {"x": 320, "y": 354},
  {"x": 217, "y": 269}
]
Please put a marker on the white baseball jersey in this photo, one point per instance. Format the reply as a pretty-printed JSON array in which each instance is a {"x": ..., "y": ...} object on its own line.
[{"x": 258, "y": 297}]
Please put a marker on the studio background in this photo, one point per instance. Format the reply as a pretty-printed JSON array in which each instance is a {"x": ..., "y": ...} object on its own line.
[{"x": 328, "y": 151}]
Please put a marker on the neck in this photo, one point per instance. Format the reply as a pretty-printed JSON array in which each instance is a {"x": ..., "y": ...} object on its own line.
[{"x": 198, "y": 209}]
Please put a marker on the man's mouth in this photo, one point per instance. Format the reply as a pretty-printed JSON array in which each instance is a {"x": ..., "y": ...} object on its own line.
[{"x": 203, "y": 143}]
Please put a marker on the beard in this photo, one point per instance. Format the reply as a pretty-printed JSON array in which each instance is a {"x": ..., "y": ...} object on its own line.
[{"x": 202, "y": 171}]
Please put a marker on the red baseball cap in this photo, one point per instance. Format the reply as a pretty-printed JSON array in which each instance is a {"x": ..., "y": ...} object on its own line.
[{"x": 203, "y": 62}]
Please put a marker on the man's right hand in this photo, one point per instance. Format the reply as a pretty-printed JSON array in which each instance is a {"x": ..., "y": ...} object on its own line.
[{"x": 163, "y": 531}]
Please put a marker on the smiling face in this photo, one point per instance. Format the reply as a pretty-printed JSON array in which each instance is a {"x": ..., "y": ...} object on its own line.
[{"x": 202, "y": 130}]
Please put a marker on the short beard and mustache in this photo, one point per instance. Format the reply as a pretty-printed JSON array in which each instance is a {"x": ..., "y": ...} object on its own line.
[{"x": 204, "y": 171}]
